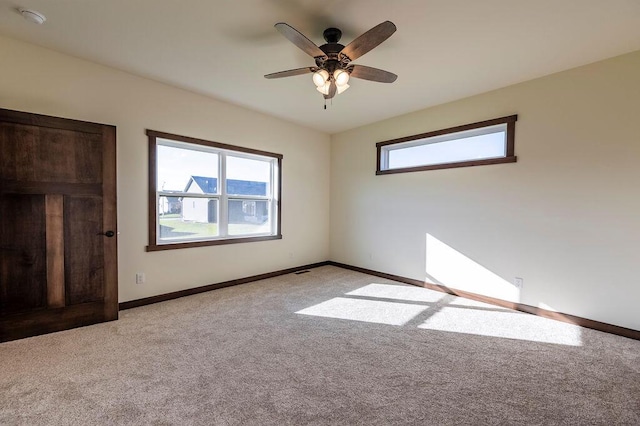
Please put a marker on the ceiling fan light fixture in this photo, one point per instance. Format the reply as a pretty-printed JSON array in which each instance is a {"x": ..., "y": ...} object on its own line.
[
  {"x": 324, "y": 89},
  {"x": 333, "y": 60},
  {"x": 342, "y": 87},
  {"x": 341, "y": 77},
  {"x": 320, "y": 77}
]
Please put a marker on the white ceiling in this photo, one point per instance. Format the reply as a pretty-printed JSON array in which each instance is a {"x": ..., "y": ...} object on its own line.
[{"x": 443, "y": 49}]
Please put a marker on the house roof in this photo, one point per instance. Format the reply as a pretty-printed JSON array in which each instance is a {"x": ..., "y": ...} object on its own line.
[{"x": 209, "y": 185}]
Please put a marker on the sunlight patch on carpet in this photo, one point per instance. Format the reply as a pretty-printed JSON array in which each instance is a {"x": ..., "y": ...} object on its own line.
[
  {"x": 510, "y": 325},
  {"x": 372, "y": 311},
  {"x": 397, "y": 292}
]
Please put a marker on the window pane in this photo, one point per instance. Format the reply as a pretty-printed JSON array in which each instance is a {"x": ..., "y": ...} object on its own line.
[
  {"x": 169, "y": 206},
  {"x": 248, "y": 177},
  {"x": 192, "y": 219},
  {"x": 249, "y": 217},
  {"x": 187, "y": 170},
  {"x": 490, "y": 145}
]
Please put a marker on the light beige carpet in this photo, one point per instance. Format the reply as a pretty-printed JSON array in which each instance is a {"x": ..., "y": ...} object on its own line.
[{"x": 327, "y": 347}]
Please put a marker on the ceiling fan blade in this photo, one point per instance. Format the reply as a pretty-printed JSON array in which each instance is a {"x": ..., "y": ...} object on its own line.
[
  {"x": 369, "y": 40},
  {"x": 296, "y": 37},
  {"x": 332, "y": 90},
  {"x": 372, "y": 74},
  {"x": 291, "y": 73}
]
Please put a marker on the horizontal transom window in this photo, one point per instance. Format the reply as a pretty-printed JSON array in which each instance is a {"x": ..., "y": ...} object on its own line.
[
  {"x": 486, "y": 142},
  {"x": 207, "y": 193}
]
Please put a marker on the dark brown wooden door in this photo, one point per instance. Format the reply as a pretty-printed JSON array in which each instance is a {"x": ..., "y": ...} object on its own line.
[{"x": 58, "y": 250}]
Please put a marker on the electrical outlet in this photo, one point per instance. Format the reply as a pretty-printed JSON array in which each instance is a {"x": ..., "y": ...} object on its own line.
[
  {"x": 140, "y": 278},
  {"x": 518, "y": 282}
]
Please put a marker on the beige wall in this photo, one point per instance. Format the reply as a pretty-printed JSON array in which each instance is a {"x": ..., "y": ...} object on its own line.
[
  {"x": 565, "y": 217},
  {"x": 38, "y": 80}
]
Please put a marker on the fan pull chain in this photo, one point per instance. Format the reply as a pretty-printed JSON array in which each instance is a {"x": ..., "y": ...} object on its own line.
[{"x": 325, "y": 103}]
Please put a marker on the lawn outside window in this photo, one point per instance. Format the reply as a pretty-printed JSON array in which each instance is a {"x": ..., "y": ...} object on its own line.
[
  {"x": 475, "y": 144},
  {"x": 205, "y": 193}
]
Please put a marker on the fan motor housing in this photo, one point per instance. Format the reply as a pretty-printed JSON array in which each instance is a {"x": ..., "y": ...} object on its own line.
[
  {"x": 331, "y": 49},
  {"x": 332, "y": 35}
]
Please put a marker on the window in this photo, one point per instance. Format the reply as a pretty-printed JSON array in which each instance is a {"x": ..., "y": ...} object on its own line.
[
  {"x": 476, "y": 144},
  {"x": 206, "y": 193}
]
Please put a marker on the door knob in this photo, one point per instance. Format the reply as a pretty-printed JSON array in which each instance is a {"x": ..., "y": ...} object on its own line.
[{"x": 107, "y": 234}]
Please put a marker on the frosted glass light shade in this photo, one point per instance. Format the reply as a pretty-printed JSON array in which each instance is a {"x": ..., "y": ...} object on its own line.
[
  {"x": 342, "y": 87},
  {"x": 324, "y": 89},
  {"x": 320, "y": 77},
  {"x": 341, "y": 77}
]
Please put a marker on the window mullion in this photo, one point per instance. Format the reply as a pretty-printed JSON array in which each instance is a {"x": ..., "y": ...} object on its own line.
[
  {"x": 223, "y": 223},
  {"x": 186, "y": 194},
  {"x": 249, "y": 197}
]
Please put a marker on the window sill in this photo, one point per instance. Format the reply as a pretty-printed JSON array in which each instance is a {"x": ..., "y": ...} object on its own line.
[{"x": 192, "y": 244}]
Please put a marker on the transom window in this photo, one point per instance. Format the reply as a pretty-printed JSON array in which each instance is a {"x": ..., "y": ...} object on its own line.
[
  {"x": 486, "y": 142},
  {"x": 206, "y": 193}
]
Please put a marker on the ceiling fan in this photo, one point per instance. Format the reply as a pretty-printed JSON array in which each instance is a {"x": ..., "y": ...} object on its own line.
[{"x": 333, "y": 60}]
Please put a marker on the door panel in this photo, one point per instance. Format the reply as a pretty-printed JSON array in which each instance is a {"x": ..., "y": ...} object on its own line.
[
  {"x": 23, "y": 265},
  {"x": 16, "y": 144},
  {"x": 57, "y": 199},
  {"x": 83, "y": 249},
  {"x": 54, "y": 209},
  {"x": 35, "y": 154}
]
